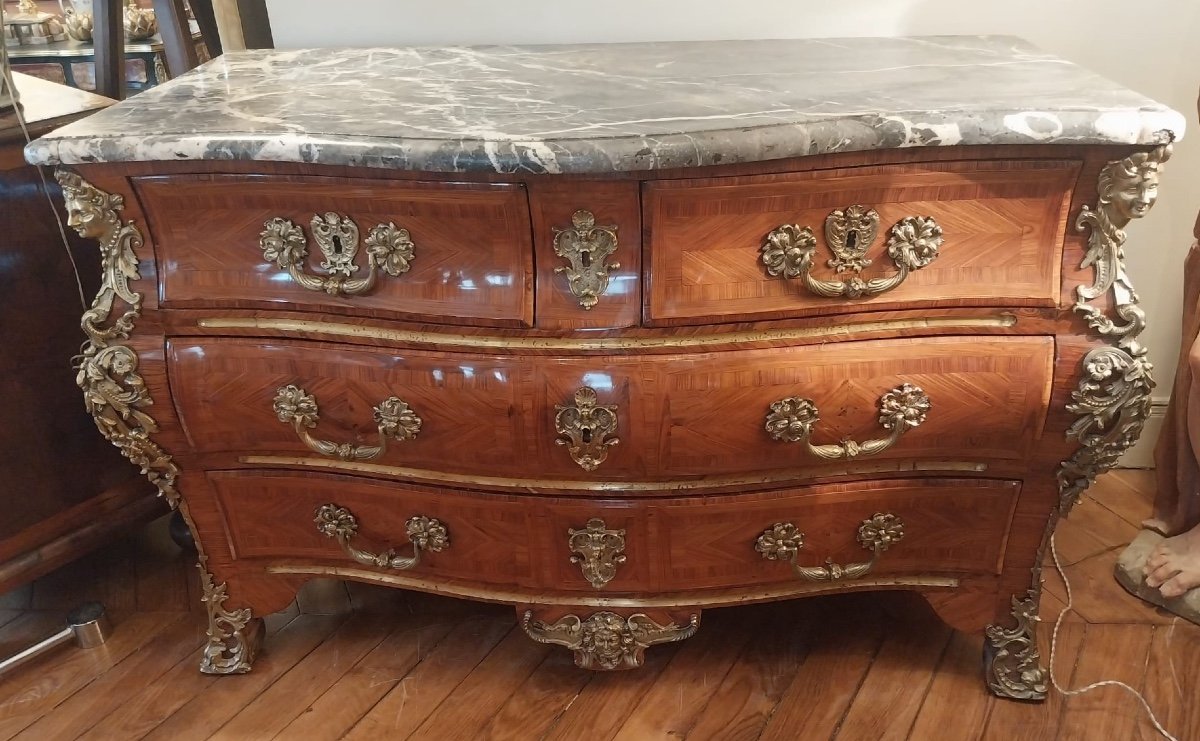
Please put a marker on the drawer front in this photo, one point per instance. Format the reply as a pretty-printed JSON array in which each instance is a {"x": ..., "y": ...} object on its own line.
[
  {"x": 273, "y": 515},
  {"x": 946, "y": 525},
  {"x": 609, "y": 546},
  {"x": 990, "y": 234},
  {"x": 673, "y": 417},
  {"x": 464, "y": 255}
]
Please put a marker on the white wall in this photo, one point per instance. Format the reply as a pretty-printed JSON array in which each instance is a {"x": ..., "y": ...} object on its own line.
[{"x": 1151, "y": 46}]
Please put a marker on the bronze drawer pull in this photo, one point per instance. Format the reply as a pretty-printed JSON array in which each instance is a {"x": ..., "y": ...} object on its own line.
[
  {"x": 912, "y": 244},
  {"x": 901, "y": 409},
  {"x": 388, "y": 249},
  {"x": 783, "y": 541},
  {"x": 425, "y": 534},
  {"x": 394, "y": 418},
  {"x": 586, "y": 248},
  {"x": 587, "y": 428}
]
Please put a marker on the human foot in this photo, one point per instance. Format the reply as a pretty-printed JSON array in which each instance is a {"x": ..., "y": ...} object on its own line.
[{"x": 1174, "y": 565}]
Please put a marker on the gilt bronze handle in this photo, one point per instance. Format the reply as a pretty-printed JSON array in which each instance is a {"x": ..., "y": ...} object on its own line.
[
  {"x": 424, "y": 533},
  {"x": 389, "y": 250},
  {"x": 783, "y": 541},
  {"x": 393, "y": 418},
  {"x": 792, "y": 420},
  {"x": 913, "y": 243}
]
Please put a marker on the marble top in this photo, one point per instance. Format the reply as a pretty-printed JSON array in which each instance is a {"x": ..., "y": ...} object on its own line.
[{"x": 612, "y": 107}]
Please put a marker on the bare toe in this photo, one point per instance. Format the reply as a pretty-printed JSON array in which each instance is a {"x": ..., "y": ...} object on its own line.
[
  {"x": 1155, "y": 561},
  {"x": 1179, "y": 585},
  {"x": 1160, "y": 575}
]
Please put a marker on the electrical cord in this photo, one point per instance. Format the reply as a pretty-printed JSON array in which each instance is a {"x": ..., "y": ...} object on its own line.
[
  {"x": 6, "y": 70},
  {"x": 1094, "y": 685}
]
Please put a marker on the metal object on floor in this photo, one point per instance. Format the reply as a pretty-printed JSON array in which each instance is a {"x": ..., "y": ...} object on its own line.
[{"x": 87, "y": 625}]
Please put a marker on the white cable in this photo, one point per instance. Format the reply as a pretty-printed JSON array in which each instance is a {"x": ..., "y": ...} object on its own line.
[
  {"x": 62, "y": 232},
  {"x": 1103, "y": 683}
]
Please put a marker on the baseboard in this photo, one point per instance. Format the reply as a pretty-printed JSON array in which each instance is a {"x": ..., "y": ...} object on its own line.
[{"x": 1141, "y": 455}]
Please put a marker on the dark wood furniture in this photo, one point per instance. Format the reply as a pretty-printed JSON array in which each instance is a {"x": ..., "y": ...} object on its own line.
[{"x": 64, "y": 489}]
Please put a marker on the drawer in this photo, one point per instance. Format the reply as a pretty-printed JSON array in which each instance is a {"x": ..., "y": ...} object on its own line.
[
  {"x": 271, "y": 514},
  {"x": 439, "y": 252},
  {"x": 934, "y": 526},
  {"x": 942, "y": 525},
  {"x": 499, "y": 420},
  {"x": 997, "y": 228}
]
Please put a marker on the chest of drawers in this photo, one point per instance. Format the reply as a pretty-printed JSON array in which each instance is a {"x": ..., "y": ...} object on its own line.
[{"x": 617, "y": 351}]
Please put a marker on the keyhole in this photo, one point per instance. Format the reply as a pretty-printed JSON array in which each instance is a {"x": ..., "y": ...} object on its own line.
[
  {"x": 585, "y": 257},
  {"x": 851, "y": 239},
  {"x": 586, "y": 434},
  {"x": 337, "y": 245}
]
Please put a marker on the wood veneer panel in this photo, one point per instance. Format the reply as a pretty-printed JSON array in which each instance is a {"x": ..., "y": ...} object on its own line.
[
  {"x": 472, "y": 259},
  {"x": 679, "y": 416},
  {"x": 614, "y": 204},
  {"x": 951, "y": 526},
  {"x": 271, "y": 515},
  {"x": 1003, "y": 224}
]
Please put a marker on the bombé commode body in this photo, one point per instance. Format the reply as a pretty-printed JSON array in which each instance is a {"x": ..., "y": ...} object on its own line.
[{"x": 617, "y": 333}]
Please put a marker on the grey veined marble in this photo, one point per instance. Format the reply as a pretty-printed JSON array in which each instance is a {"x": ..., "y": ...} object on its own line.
[{"x": 611, "y": 107}]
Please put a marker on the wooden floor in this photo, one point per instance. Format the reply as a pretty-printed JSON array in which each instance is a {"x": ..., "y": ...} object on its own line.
[{"x": 363, "y": 662}]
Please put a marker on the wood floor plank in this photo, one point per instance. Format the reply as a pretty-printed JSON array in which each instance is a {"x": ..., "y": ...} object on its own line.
[
  {"x": 1089, "y": 530},
  {"x": 474, "y": 702},
  {"x": 1117, "y": 652},
  {"x": 670, "y": 708},
  {"x": 153, "y": 703},
  {"x": 1100, "y": 599},
  {"x": 410, "y": 702},
  {"x": 1170, "y": 683},
  {"x": 755, "y": 684},
  {"x": 108, "y": 692},
  {"x": 351, "y": 697},
  {"x": 608, "y": 697},
  {"x": 891, "y": 694},
  {"x": 34, "y": 689},
  {"x": 957, "y": 703},
  {"x": 1011, "y": 719},
  {"x": 311, "y": 677},
  {"x": 826, "y": 681},
  {"x": 537, "y": 704},
  {"x": 1127, "y": 493},
  {"x": 211, "y": 708}
]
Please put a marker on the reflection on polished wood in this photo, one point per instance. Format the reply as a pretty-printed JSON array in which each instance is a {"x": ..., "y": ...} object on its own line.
[
  {"x": 676, "y": 418},
  {"x": 1003, "y": 223},
  {"x": 474, "y": 264}
]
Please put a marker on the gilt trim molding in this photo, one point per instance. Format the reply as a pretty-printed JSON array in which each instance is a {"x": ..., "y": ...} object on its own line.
[
  {"x": 107, "y": 370},
  {"x": 116, "y": 396},
  {"x": 1112, "y": 399}
]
